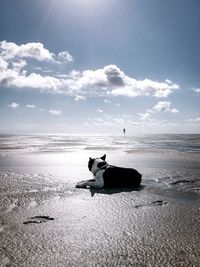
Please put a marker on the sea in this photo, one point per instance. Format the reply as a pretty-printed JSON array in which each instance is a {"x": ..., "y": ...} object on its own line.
[{"x": 47, "y": 143}]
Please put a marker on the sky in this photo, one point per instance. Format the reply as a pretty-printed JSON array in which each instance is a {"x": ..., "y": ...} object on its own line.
[{"x": 98, "y": 66}]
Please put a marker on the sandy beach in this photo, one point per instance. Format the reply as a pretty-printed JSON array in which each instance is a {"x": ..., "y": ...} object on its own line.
[{"x": 46, "y": 221}]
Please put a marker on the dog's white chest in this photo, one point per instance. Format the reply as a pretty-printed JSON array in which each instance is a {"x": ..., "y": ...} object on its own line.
[{"x": 99, "y": 178}]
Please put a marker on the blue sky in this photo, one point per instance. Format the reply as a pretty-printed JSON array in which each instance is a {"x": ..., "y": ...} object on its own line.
[{"x": 97, "y": 66}]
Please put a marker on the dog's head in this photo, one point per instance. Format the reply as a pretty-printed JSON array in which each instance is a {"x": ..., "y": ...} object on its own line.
[{"x": 96, "y": 163}]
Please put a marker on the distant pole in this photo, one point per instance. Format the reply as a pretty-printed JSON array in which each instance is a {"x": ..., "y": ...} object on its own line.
[{"x": 124, "y": 131}]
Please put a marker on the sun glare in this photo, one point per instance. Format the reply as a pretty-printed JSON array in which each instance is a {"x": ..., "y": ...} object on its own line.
[{"x": 85, "y": 4}]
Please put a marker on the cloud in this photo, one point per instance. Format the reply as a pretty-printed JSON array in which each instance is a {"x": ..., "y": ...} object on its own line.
[
  {"x": 174, "y": 110},
  {"x": 3, "y": 65},
  {"x": 13, "y": 51},
  {"x": 79, "y": 97},
  {"x": 13, "y": 105},
  {"x": 64, "y": 55},
  {"x": 34, "y": 81},
  {"x": 144, "y": 124},
  {"x": 101, "y": 82},
  {"x": 107, "y": 101},
  {"x": 18, "y": 66},
  {"x": 132, "y": 87},
  {"x": 100, "y": 110},
  {"x": 113, "y": 82},
  {"x": 55, "y": 112},
  {"x": 164, "y": 106},
  {"x": 194, "y": 119},
  {"x": 110, "y": 120},
  {"x": 10, "y": 50},
  {"x": 145, "y": 116},
  {"x": 107, "y": 81},
  {"x": 161, "y": 106},
  {"x": 196, "y": 90},
  {"x": 30, "y": 106}
]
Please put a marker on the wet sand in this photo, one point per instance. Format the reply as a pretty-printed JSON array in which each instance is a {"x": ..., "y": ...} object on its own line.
[{"x": 46, "y": 221}]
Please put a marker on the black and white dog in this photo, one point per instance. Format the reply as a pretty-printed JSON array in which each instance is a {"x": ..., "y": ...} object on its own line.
[{"x": 106, "y": 175}]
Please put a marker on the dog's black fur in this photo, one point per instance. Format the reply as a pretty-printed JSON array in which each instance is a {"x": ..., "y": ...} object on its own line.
[
  {"x": 109, "y": 176},
  {"x": 117, "y": 177}
]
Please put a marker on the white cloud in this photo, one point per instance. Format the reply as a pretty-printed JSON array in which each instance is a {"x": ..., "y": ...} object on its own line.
[
  {"x": 161, "y": 106},
  {"x": 111, "y": 121},
  {"x": 3, "y": 65},
  {"x": 194, "y": 119},
  {"x": 150, "y": 111},
  {"x": 164, "y": 106},
  {"x": 30, "y": 106},
  {"x": 196, "y": 90},
  {"x": 12, "y": 51},
  {"x": 112, "y": 81},
  {"x": 64, "y": 55},
  {"x": 108, "y": 81},
  {"x": 145, "y": 122},
  {"x": 169, "y": 81},
  {"x": 55, "y": 112},
  {"x": 13, "y": 105},
  {"x": 19, "y": 65},
  {"x": 145, "y": 116},
  {"x": 174, "y": 110},
  {"x": 100, "y": 110},
  {"x": 79, "y": 97},
  {"x": 131, "y": 87},
  {"x": 107, "y": 101}
]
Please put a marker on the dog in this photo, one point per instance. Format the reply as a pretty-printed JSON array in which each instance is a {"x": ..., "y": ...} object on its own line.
[{"x": 108, "y": 176}]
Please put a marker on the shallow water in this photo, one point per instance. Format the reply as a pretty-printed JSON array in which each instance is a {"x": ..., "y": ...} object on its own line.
[
  {"x": 79, "y": 142},
  {"x": 35, "y": 177},
  {"x": 28, "y": 161}
]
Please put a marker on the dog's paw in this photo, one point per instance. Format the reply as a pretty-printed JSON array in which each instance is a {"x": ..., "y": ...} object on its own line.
[{"x": 81, "y": 185}]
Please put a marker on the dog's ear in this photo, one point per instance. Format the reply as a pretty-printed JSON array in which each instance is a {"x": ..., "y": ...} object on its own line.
[
  {"x": 103, "y": 157},
  {"x": 90, "y": 163}
]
